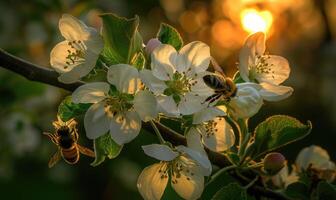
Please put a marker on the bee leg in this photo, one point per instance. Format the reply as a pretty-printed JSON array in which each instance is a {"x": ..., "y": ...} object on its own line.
[
  {"x": 52, "y": 137},
  {"x": 209, "y": 98},
  {"x": 214, "y": 98},
  {"x": 86, "y": 151},
  {"x": 54, "y": 159}
]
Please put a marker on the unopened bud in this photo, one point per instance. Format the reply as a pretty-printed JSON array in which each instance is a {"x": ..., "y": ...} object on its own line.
[
  {"x": 274, "y": 162},
  {"x": 151, "y": 45}
]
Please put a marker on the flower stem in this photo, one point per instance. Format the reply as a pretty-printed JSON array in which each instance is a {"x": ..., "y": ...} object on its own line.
[
  {"x": 158, "y": 134},
  {"x": 220, "y": 172},
  {"x": 245, "y": 137},
  {"x": 251, "y": 183}
]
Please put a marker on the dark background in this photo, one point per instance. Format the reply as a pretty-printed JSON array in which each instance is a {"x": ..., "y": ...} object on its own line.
[{"x": 303, "y": 31}]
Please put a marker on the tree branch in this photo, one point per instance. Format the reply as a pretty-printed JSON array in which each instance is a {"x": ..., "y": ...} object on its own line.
[{"x": 44, "y": 75}]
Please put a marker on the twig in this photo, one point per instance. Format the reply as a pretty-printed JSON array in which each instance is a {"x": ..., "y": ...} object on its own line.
[{"x": 44, "y": 75}]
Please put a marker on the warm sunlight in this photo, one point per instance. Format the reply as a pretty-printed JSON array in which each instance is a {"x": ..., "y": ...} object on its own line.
[{"x": 254, "y": 21}]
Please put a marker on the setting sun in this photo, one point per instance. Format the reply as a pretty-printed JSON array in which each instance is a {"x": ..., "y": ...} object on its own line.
[{"x": 254, "y": 21}]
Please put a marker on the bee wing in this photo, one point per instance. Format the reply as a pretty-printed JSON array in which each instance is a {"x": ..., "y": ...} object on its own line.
[
  {"x": 54, "y": 159},
  {"x": 216, "y": 67},
  {"x": 51, "y": 136},
  {"x": 86, "y": 151}
]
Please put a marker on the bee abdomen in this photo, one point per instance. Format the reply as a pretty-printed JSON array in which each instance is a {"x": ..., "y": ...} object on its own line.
[{"x": 71, "y": 155}]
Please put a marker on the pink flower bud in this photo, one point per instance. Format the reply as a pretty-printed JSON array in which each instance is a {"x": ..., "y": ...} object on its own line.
[
  {"x": 274, "y": 162},
  {"x": 151, "y": 45}
]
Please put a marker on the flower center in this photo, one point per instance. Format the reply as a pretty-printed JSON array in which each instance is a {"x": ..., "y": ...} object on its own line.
[
  {"x": 76, "y": 53},
  {"x": 179, "y": 165},
  {"x": 211, "y": 127},
  {"x": 116, "y": 105},
  {"x": 261, "y": 67},
  {"x": 180, "y": 84}
]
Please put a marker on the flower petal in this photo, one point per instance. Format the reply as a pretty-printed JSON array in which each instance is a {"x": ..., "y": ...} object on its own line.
[
  {"x": 199, "y": 157},
  {"x": 73, "y": 29},
  {"x": 256, "y": 42},
  {"x": 194, "y": 56},
  {"x": 222, "y": 138},
  {"x": 278, "y": 70},
  {"x": 124, "y": 77},
  {"x": 189, "y": 183},
  {"x": 194, "y": 140},
  {"x": 191, "y": 104},
  {"x": 151, "y": 184},
  {"x": 247, "y": 101},
  {"x": 96, "y": 122},
  {"x": 168, "y": 105},
  {"x": 163, "y": 62},
  {"x": 271, "y": 92},
  {"x": 207, "y": 114},
  {"x": 91, "y": 92},
  {"x": 125, "y": 127},
  {"x": 154, "y": 84},
  {"x": 146, "y": 105},
  {"x": 160, "y": 152},
  {"x": 200, "y": 88},
  {"x": 58, "y": 58},
  {"x": 315, "y": 156}
]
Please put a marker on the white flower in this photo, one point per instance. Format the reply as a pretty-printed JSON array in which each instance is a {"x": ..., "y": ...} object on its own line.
[
  {"x": 315, "y": 157},
  {"x": 186, "y": 167},
  {"x": 268, "y": 70},
  {"x": 75, "y": 57},
  {"x": 118, "y": 111},
  {"x": 247, "y": 101},
  {"x": 284, "y": 178},
  {"x": 176, "y": 77},
  {"x": 211, "y": 130}
]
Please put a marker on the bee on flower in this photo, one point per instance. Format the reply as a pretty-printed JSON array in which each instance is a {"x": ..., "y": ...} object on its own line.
[
  {"x": 76, "y": 56},
  {"x": 118, "y": 109},
  {"x": 184, "y": 167}
]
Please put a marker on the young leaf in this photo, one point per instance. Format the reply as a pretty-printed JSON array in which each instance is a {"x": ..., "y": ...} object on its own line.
[
  {"x": 277, "y": 131},
  {"x": 67, "y": 109},
  {"x": 233, "y": 191},
  {"x": 298, "y": 190},
  {"x": 104, "y": 146},
  {"x": 121, "y": 39},
  {"x": 326, "y": 191},
  {"x": 169, "y": 35}
]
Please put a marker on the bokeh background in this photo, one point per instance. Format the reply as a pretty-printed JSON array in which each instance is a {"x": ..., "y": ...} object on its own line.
[{"x": 303, "y": 31}]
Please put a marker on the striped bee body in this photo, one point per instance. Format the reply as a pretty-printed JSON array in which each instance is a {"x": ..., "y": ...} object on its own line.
[
  {"x": 223, "y": 87},
  {"x": 66, "y": 138}
]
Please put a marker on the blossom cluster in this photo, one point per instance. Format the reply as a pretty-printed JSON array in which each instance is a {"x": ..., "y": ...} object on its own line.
[{"x": 171, "y": 85}]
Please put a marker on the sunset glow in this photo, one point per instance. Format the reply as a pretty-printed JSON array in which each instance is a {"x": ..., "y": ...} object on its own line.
[{"x": 254, "y": 21}]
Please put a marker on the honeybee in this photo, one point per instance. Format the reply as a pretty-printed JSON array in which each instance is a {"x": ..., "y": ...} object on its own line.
[
  {"x": 223, "y": 86},
  {"x": 66, "y": 137}
]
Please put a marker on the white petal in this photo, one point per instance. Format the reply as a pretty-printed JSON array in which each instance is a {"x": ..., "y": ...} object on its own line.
[
  {"x": 95, "y": 42},
  {"x": 124, "y": 128},
  {"x": 80, "y": 70},
  {"x": 160, "y": 152},
  {"x": 200, "y": 88},
  {"x": 279, "y": 70},
  {"x": 91, "y": 92},
  {"x": 245, "y": 59},
  {"x": 186, "y": 185},
  {"x": 256, "y": 42},
  {"x": 247, "y": 102},
  {"x": 96, "y": 122},
  {"x": 73, "y": 29},
  {"x": 163, "y": 62},
  {"x": 201, "y": 159},
  {"x": 315, "y": 155},
  {"x": 194, "y": 56},
  {"x": 58, "y": 58},
  {"x": 271, "y": 92},
  {"x": 151, "y": 184},
  {"x": 146, "y": 105},
  {"x": 124, "y": 77},
  {"x": 168, "y": 105},
  {"x": 191, "y": 104},
  {"x": 222, "y": 138},
  {"x": 194, "y": 140},
  {"x": 154, "y": 84},
  {"x": 207, "y": 114}
]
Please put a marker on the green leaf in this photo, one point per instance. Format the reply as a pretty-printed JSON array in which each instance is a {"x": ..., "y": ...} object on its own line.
[
  {"x": 216, "y": 184},
  {"x": 233, "y": 191},
  {"x": 326, "y": 191},
  {"x": 67, "y": 109},
  {"x": 122, "y": 39},
  {"x": 277, "y": 131},
  {"x": 298, "y": 190},
  {"x": 104, "y": 146},
  {"x": 138, "y": 61},
  {"x": 169, "y": 35}
]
